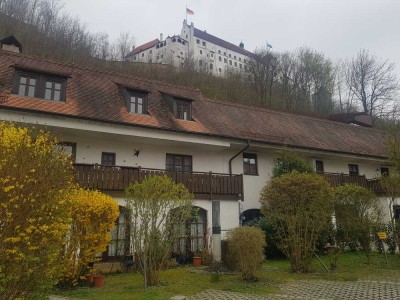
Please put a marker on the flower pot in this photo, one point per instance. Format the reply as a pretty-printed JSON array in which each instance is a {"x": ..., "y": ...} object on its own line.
[
  {"x": 197, "y": 261},
  {"x": 90, "y": 278},
  {"x": 99, "y": 281}
]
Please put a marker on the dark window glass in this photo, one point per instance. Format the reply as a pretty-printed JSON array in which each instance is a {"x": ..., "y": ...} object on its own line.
[
  {"x": 211, "y": 66},
  {"x": 204, "y": 43},
  {"x": 384, "y": 171},
  {"x": 250, "y": 164},
  {"x": 177, "y": 162},
  {"x": 37, "y": 85},
  {"x": 319, "y": 166},
  {"x": 396, "y": 212},
  {"x": 353, "y": 169},
  {"x": 107, "y": 159}
]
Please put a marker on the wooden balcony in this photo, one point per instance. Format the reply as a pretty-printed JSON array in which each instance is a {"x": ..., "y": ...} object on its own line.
[
  {"x": 337, "y": 179},
  {"x": 213, "y": 186}
]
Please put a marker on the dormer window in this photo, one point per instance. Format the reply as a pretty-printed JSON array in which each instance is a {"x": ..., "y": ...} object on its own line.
[
  {"x": 136, "y": 102},
  {"x": 181, "y": 108},
  {"x": 36, "y": 85}
]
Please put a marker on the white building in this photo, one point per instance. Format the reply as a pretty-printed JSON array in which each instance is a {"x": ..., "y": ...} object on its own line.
[
  {"x": 121, "y": 127},
  {"x": 208, "y": 53}
]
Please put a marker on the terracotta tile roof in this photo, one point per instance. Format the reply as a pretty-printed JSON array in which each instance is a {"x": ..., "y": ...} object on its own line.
[
  {"x": 95, "y": 94},
  {"x": 143, "y": 47},
  {"x": 220, "y": 42}
]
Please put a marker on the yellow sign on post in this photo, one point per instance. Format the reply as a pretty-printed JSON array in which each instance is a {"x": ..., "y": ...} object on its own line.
[{"x": 382, "y": 235}]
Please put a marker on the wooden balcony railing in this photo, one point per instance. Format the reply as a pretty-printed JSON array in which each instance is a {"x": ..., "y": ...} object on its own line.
[
  {"x": 337, "y": 179},
  {"x": 202, "y": 185}
]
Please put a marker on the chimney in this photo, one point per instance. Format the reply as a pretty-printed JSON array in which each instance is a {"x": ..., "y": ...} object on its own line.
[
  {"x": 161, "y": 37},
  {"x": 133, "y": 47},
  {"x": 241, "y": 45}
]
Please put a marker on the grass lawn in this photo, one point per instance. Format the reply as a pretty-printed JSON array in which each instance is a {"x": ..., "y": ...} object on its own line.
[{"x": 180, "y": 281}]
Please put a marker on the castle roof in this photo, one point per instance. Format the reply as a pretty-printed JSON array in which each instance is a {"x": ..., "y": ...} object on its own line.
[
  {"x": 143, "y": 47},
  {"x": 220, "y": 42}
]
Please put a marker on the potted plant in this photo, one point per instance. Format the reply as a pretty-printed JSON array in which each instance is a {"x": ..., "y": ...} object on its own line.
[
  {"x": 197, "y": 258},
  {"x": 98, "y": 279}
]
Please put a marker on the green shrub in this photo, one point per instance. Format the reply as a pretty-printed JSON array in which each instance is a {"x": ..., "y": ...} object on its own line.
[
  {"x": 246, "y": 248},
  {"x": 299, "y": 206},
  {"x": 271, "y": 249},
  {"x": 357, "y": 212},
  {"x": 289, "y": 162}
]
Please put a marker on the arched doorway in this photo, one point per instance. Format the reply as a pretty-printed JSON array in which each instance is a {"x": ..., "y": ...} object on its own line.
[
  {"x": 250, "y": 215},
  {"x": 193, "y": 234}
]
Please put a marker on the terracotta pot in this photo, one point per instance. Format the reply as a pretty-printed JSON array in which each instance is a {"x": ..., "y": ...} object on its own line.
[
  {"x": 99, "y": 281},
  {"x": 197, "y": 261},
  {"x": 89, "y": 278}
]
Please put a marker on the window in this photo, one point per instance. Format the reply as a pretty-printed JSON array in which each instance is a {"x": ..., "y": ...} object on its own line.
[
  {"x": 224, "y": 53},
  {"x": 250, "y": 164},
  {"x": 396, "y": 212},
  {"x": 107, "y": 159},
  {"x": 220, "y": 70},
  {"x": 134, "y": 57},
  {"x": 151, "y": 51},
  {"x": 37, "y": 85},
  {"x": 230, "y": 62},
  {"x": 198, "y": 41},
  {"x": 230, "y": 55},
  {"x": 178, "y": 162},
  {"x": 183, "y": 110},
  {"x": 204, "y": 43},
  {"x": 174, "y": 40},
  {"x": 319, "y": 166},
  {"x": 211, "y": 66},
  {"x": 200, "y": 62},
  {"x": 142, "y": 54},
  {"x": 119, "y": 241},
  {"x": 240, "y": 59},
  {"x": 212, "y": 55},
  {"x": 68, "y": 148},
  {"x": 353, "y": 169},
  {"x": 235, "y": 64},
  {"x": 220, "y": 58},
  {"x": 225, "y": 60},
  {"x": 219, "y": 51},
  {"x": 201, "y": 51},
  {"x": 384, "y": 171},
  {"x": 234, "y": 57},
  {"x": 136, "y": 102},
  {"x": 240, "y": 65}
]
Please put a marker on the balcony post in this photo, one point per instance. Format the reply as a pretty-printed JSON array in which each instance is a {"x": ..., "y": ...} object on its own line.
[
  {"x": 211, "y": 184},
  {"x": 139, "y": 174}
]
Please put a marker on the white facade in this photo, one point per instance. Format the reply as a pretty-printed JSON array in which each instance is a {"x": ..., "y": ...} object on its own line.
[{"x": 198, "y": 47}]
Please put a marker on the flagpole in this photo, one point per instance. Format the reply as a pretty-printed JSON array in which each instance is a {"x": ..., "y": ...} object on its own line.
[{"x": 186, "y": 13}]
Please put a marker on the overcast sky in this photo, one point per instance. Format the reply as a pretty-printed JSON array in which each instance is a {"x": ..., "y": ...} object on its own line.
[{"x": 339, "y": 28}]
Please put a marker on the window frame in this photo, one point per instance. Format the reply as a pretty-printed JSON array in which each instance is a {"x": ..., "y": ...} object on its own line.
[
  {"x": 178, "y": 103},
  {"x": 110, "y": 154},
  {"x": 73, "y": 149},
  {"x": 318, "y": 165},
  {"x": 40, "y": 86},
  {"x": 354, "y": 173},
  {"x": 247, "y": 170},
  {"x": 129, "y": 94},
  {"x": 173, "y": 167}
]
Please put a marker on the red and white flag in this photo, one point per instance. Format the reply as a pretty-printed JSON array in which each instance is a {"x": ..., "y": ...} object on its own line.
[{"x": 189, "y": 12}]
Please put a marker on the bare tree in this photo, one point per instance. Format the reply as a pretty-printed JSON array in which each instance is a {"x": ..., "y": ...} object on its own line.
[
  {"x": 372, "y": 82},
  {"x": 263, "y": 70}
]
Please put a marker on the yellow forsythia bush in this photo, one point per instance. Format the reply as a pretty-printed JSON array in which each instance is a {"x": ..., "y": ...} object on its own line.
[
  {"x": 35, "y": 177},
  {"x": 93, "y": 217}
]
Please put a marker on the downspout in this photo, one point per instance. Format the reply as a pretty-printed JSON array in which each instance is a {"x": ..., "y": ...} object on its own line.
[{"x": 233, "y": 157}]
